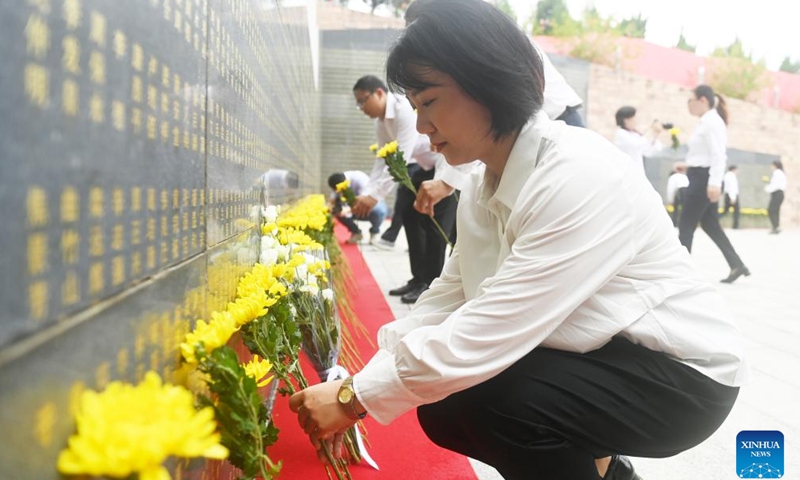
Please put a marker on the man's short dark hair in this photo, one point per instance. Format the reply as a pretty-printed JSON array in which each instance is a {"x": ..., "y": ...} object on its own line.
[
  {"x": 336, "y": 179},
  {"x": 412, "y": 12},
  {"x": 370, "y": 83},
  {"x": 484, "y": 52}
]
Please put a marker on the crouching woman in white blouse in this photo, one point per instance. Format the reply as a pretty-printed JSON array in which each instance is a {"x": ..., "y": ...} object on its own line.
[{"x": 569, "y": 326}]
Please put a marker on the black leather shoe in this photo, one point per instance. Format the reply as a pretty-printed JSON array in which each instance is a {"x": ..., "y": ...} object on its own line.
[
  {"x": 621, "y": 468},
  {"x": 407, "y": 288},
  {"x": 736, "y": 273},
  {"x": 411, "y": 297}
]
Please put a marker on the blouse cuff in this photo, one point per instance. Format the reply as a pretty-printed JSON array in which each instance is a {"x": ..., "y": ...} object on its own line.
[{"x": 380, "y": 390}]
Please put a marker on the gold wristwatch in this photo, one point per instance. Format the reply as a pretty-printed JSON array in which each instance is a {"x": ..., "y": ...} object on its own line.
[{"x": 347, "y": 398}]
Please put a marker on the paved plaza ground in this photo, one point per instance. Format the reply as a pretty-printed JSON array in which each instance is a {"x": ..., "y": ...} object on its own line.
[{"x": 767, "y": 308}]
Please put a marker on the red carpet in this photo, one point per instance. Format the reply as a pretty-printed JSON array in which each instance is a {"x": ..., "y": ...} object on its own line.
[{"x": 401, "y": 449}]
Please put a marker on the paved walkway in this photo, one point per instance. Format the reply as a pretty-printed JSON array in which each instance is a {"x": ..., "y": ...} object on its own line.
[{"x": 767, "y": 308}]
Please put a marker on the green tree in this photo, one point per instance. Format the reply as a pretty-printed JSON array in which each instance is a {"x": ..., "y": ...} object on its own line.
[
  {"x": 633, "y": 27},
  {"x": 506, "y": 8},
  {"x": 593, "y": 38},
  {"x": 684, "y": 45},
  {"x": 734, "y": 50},
  {"x": 789, "y": 66},
  {"x": 549, "y": 14},
  {"x": 734, "y": 73}
]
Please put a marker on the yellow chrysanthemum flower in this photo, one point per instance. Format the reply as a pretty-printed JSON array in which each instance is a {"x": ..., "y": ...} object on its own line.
[
  {"x": 213, "y": 334},
  {"x": 258, "y": 369},
  {"x": 373, "y": 147},
  {"x": 342, "y": 186},
  {"x": 132, "y": 429},
  {"x": 674, "y": 131}
]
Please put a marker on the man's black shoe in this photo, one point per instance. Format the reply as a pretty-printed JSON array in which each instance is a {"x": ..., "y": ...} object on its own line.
[
  {"x": 736, "y": 273},
  {"x": 620, "y": 468},
  {"x": 407, "y": 288},
  {"x": 412, "y": 296}
]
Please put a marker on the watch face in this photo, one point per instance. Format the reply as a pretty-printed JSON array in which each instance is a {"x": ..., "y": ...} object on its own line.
[{"x": 345, "y": 395}]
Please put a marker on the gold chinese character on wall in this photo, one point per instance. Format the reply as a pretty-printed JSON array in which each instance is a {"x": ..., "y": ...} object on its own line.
[
  {"x": 37, "y": 299},
  {"x": 36, "y": 205},
  {"x": 120, "y": 44},
  {"x": 72, "y": 14},
  {"x": 71, "y": 59},
  {"x": 37, "y": 36},
  {"x": 37, "y": 85},
  {"x": 70, "y": 98},
  {"x": 37, "y": 254},
  {"x": 97, "y": 29}
]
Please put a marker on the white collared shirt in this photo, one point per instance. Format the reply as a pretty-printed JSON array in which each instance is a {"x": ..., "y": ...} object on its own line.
[
  {"x": 730, "y": 185},
  {"x": 399, "y": 123},
  {"x": 675, "y": 182},
  {"x": 776, "y": 182},
  {"x": 558, "y": 95},
  {"x": 358, "y": 180},
  {"x": 707, "y": 146},
  {"x": 636, "y": 145},
  {"x": 571, "y": 247}
]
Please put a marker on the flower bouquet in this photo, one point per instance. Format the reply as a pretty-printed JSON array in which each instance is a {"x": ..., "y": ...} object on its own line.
[
  {"x": 673, "y": 133},
  {"x": 346, "y": 192},
  {"x": 395, "y": 161}
]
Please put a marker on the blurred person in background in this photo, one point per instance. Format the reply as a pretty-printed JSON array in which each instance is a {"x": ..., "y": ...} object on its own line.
[
  {"x": 630, "y": 140},
  {"x": 706, "y": 159},
  {"x": 776, "y": 187}
]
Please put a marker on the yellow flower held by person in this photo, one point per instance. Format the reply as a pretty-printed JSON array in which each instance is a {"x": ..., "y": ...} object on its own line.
[
  {"x": 130, "y": 429},
  {"x": 342, "y": 186},
  {"x": 373, "y": 147},
  {"x": 674, "y": 131}
]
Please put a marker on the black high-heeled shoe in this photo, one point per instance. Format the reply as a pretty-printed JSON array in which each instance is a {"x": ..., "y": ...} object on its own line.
[
  {"x": 736, "y": 273},
  {"x": 620, "y": 468}
]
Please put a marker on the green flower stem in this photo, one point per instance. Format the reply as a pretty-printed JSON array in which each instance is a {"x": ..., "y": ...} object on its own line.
[{"x": 410, "y": 186}]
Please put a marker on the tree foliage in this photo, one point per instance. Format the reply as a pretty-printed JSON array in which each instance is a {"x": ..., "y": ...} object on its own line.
[
  {"x": 790, "y": 66},
  {"x": 548, "y": 14},
  {"x": 505, "y": 7},
  {"x": 684, "y": 45},
  {"x": 633, "y": 27},
  {"x": 735, "y": 73}
]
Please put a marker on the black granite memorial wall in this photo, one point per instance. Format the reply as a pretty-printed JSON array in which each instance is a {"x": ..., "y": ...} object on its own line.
[{"x": 138, "y": 140}]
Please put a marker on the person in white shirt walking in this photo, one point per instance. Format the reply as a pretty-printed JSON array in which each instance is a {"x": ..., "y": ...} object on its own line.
[
  {"x": 569, "y": 326},
  {"x": 730, "y": 191},
  {"x": 706, "y": 158},
  {"x": 628, "y": 138},
  {"x": 775, "y": 188},
  {"x": 358, "y": 182}
]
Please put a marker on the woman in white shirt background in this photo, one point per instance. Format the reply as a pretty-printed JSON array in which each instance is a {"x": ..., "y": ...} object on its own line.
[
  {"x": 706, "y": 159},
  {"x": 775, "y": 188},
  {"x": 631, "y": 141},
  {"x": 569, "y": 326}
]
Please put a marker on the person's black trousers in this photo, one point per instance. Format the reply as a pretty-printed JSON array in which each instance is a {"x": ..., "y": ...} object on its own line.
[
  {"x": 677, "y": 205},
  {"x": 552, "y": 413},
  {"x": 774, "y": 209},
  {"x": 426, "y": 245},
  {"x": 697, "y": 208},
  {"x": 390, "y": 235},
  {"x": 727, "y": 204}
]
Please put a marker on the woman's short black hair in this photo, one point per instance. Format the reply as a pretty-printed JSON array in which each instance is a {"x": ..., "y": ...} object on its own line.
[
  {"x": 623, "y": 114},
  {"x": 484, "y": 52}
]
